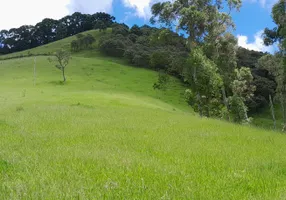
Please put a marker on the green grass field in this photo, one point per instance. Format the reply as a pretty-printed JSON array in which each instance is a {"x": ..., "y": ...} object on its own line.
[{"x": 106, "y": 134}]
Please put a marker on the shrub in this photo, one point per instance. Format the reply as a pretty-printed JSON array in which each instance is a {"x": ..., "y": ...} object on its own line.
[
  {"x": 160, "y": 59},
  {"x": 112, "y": 47},
  {"x": 121, "y": 29}
]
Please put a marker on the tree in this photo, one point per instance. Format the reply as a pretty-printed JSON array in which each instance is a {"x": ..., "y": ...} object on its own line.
[
  {"x": 278, "y": 35},
  {"x": 121, "y": 29},
  {"x": 201, "y": 20},
  {"x": 107, "y": 19},
  {"x": 136, "y": 30},
  {"x": 138, "y": 54},
  {"x": 160, "y": 59},
  {"x": 242, "y": 89},
  {"x": 263, "y": 80},
  {"x": 82, "y": 42},
  {"x": 45, "y": 31},
  {"x": 202, "y": 75},
  {"x": 101, "y": 25},
  {"x": 162, "y": 82},
  {"x": 61, "y": 58},
  {"x": 87, "y": 41},
  {"x": 112, "y": 46},
  {"x": 75, "y": 46},
  {"x": 50, "y": 30},
  {"x": 223, "y": 52},
  {"x": 273, "y": 64},
  {"x": 248, "y": 58},
  {"x": 265, "y": 85}
]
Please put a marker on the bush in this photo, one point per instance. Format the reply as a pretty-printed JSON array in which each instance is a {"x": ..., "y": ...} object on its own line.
[
  {"x": 82, "y": 42},
  {"x": 100, "y": 25},
  {"x": 142, "y": 59},
  {"x": 75, "y": 46},
  {"x": 160, "y": 59},
  {"x": 112, "y": 47},
  {"x": 162, "y": 82},
  {"x": 121, "y": 29},
  {"x": 138, "y": 55},
  {"x": 132, "y": 37},
  {"x": 136, "y": 30}
]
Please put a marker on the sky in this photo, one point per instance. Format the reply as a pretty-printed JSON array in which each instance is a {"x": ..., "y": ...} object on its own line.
[{"x": 254, "y": 16}]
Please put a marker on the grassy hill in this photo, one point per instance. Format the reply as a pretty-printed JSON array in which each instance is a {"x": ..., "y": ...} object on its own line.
[
  {"x": 52, "y": 47},
  {"x": 106, "y": 134}
]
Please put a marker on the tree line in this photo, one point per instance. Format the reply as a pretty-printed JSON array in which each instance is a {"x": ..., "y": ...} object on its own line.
[
  {"x": 50, "y": 30},
  {"x": 224, "y": 81},
  {"x": 167, "y": 52}
]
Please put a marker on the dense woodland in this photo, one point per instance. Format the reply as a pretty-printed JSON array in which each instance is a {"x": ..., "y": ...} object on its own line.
[
  {"x": 50, "y": 30},
  {"x": 224, "y": 80}
]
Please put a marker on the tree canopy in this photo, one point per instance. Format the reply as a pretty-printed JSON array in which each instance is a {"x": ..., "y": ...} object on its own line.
[{"x": 50, "y": 30}]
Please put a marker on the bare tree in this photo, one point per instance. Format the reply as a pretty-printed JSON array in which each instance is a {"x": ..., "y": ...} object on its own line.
[{"x": 61, "y": 58}]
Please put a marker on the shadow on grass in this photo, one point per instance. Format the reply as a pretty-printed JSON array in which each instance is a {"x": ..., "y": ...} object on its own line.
[
  {"x": 4, "y": 166},
  {"x": 58, "y": 83},
  {"x": 82, "y": 105}
]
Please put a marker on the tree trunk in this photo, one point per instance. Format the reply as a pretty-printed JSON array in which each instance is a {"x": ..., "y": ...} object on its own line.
[
  {"x": 199, "y": 104},
  {"x": 284, "y": 114},
  {"x": 283, "y": 111},
  {"x": 64, "y": 77},
  {"x": 246, "y": 115},
  {"x": 272, "y": 111},
  {"x": 198, "y": 93},
  {"x": 225, "y": 102}
]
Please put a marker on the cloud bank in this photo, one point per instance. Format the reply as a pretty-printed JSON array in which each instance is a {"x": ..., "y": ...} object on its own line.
[
  {"x": 15, "y": 13},
  {"x": 264, "y": 3},
  {"x": 90, "y": 6},
  {"x": 32, "y": 11},
  {"x": 256, "y": 45},
  {"x": 142, "y": 8}
]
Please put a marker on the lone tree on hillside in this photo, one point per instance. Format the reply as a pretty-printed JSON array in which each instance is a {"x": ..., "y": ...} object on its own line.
[{"x": 61, "y": 58}]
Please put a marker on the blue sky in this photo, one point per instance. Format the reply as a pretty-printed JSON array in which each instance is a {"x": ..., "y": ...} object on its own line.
[{"x": 253, "y": 17}]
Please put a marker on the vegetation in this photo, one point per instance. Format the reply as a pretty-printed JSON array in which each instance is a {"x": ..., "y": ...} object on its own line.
[
  {"x": 107, "y": 134},
  {"x": 62, "y": 58},
  {"x": 124, "y": 127},
  {"x": 276, "y": 65},
  {"x": 242, "y": 90},
  {"x": 50, "y": 30},
  {"x": 169, "y": 53},
  {"x": 82, "y": 42}
]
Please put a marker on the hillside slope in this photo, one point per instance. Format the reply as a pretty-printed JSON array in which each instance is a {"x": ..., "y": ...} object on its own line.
[
  {"x": 106, "y": 134},
  {"x": 52, "y": 47}
]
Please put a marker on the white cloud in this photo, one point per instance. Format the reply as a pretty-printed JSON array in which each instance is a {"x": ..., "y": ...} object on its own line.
[
  {"x": 264, "y": 3},
  {"x": 15, "y": 13},
  {"x": 90, "y": 6},
  {"x": 256, "y": 45},
  {"x": 142, "y": 7}
]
